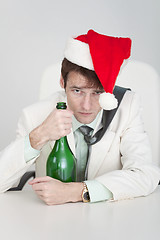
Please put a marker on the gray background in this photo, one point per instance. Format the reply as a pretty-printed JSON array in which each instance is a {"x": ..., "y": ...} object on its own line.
[{"x": 33, "y": 35}]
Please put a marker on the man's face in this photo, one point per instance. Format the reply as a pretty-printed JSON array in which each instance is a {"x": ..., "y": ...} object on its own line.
[{"x": 82, "y": 100}]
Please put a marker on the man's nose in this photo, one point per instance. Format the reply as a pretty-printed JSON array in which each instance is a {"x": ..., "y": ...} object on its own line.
[{"x": 86, "y": 102}]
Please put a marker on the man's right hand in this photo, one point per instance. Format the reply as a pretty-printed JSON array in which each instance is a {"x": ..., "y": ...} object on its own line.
[{"x": 58, "y": 124}]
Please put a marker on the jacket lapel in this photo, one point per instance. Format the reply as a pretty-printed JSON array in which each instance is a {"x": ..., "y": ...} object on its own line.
[
  {"x": 71, "y": 142},
  {"x": 98, "y": 153}
]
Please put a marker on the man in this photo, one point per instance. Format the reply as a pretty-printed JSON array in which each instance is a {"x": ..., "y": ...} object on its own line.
[{"x": 119, "y": 164}]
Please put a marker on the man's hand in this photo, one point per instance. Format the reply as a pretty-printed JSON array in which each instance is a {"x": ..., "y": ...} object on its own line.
[
  {"x": 53, "y": 191},
  {"x": 58, "y": 124}
]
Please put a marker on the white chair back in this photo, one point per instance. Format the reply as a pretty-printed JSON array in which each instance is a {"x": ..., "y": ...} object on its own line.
[
  {"x": 144, "y": 80},
  {"x": 138, "y": 76},
  {"x": 50, "y": 81}
]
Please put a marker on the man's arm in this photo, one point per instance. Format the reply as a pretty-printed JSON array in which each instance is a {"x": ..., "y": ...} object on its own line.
[
  {"x": 12, "y": 159},
  {"x": 13, "y": 164},
  {"x": 138, "y": 176}
]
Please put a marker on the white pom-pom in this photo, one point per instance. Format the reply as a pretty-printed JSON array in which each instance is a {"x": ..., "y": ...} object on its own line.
[{"x": 108, "y": 101}]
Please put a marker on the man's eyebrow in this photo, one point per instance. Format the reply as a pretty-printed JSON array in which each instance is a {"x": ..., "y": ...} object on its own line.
[
  {"x": 77, "y": 87},
  {"x": 85, "y": 87}
]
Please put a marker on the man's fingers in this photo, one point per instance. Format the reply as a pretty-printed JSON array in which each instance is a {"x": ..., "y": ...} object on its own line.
[
  {"x": 38, "y": 187},
  {"x": 65, "y": 113},
  {"x": 39, "y": 180}
]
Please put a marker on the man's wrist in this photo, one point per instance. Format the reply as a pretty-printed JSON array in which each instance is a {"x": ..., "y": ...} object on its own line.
[
  {"x": 29, "y": 152},
  {"x": 74, "y": 191},
  {"x": 37, "y": 138}
]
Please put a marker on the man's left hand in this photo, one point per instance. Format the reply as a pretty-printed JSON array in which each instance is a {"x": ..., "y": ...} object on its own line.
[{"x": 53, "y": 191}]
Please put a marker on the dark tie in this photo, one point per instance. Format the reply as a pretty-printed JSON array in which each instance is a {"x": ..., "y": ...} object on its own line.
[{"x": 87, "y": 132}]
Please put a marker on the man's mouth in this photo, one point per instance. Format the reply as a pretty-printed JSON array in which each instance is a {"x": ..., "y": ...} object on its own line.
[{"x": 85, "y": 113}]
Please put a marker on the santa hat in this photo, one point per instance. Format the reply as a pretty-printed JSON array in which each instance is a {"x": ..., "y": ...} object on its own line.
[{"x": 103, "y": 54}]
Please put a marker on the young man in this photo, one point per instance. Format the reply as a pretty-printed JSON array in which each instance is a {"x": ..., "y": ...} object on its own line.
[{"x": 119, "y": 165}]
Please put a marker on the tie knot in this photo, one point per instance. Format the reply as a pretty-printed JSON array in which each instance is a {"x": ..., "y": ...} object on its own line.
[{"x": 86, "y": 131}]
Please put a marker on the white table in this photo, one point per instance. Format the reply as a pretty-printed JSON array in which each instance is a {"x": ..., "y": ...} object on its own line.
[{"x": 24, "y": 216}]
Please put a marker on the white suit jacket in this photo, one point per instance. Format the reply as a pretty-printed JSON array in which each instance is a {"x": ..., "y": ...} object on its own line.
[{"x": 121, "y": 160}]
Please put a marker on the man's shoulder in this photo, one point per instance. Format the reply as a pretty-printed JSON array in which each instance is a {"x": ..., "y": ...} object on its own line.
[
  {"x": 38, "y": 112},
  {"x": 130, "y": 106},
  {"x": 47, "y": 104}
]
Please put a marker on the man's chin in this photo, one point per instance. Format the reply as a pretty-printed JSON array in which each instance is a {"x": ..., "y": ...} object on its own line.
[{"x": 85, "y": 119}]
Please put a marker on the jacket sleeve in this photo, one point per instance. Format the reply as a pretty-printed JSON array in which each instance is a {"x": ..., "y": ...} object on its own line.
[
  {"x": 12, "y": 161},
  {"x": 138, "y": 176}
]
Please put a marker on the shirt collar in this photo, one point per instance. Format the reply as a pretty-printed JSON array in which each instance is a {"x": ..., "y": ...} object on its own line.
[{"x": 76, "y": 124}]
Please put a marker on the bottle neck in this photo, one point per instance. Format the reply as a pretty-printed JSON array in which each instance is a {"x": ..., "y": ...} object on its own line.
[
  {"x": 63, "y": 139},
  {"x": 62, "y": 142}
]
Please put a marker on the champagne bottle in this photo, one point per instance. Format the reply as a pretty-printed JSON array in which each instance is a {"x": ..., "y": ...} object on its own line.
[{"x": 61, "y": 163}]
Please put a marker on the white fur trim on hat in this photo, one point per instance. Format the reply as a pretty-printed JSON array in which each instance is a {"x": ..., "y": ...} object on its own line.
[
  {"x": 108, "y": 101},
  {"x": 78, "y": 52}
]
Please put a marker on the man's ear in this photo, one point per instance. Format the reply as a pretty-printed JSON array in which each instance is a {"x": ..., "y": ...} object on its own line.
[{"x": 61, "y": 82}]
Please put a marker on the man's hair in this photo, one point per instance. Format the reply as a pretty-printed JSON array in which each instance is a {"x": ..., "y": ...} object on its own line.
[{"x": 91, "y": 76}]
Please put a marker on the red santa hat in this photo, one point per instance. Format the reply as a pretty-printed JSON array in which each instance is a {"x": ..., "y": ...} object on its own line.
[{"x": 103, "y": 54}]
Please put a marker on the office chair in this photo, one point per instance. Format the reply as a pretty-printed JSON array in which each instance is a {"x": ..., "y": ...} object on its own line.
[{"x": 139, "y": 77}]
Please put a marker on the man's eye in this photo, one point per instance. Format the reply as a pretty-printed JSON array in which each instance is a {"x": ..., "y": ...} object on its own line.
[
  {"x": 98, "y": 92},
  {"x": 76, "y": 90}
]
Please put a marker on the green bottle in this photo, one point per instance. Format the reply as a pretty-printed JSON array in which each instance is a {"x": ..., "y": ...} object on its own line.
[{"x": 61, "y": 163}]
